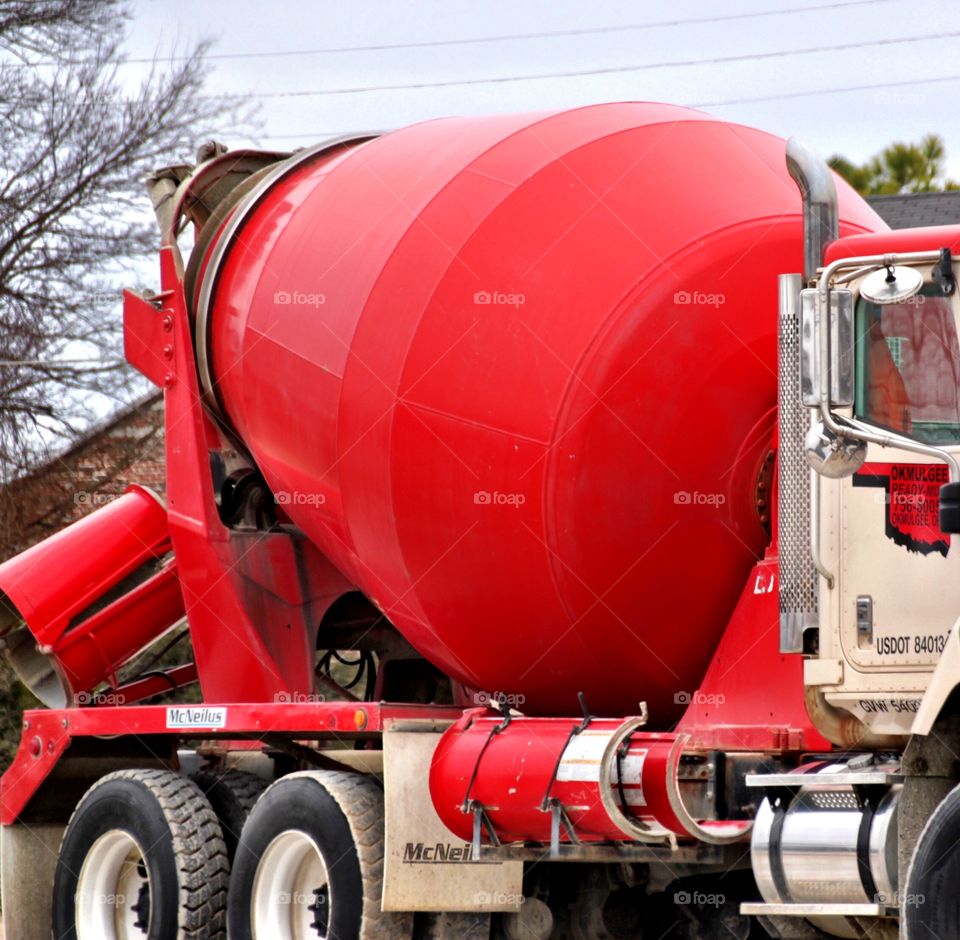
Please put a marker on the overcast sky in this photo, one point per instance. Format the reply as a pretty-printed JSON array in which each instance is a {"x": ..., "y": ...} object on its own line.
[
  {"x": 856, "y": 123},
  {"x": 280, "y": 50}
]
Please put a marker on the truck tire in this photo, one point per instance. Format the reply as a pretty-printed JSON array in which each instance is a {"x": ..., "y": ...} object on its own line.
[
  {"x": 231, "y": 794},
  {"x": 310, "y": 863},
  {"x": 929, "y": 905},
  {"x": 142, "y": 858}
]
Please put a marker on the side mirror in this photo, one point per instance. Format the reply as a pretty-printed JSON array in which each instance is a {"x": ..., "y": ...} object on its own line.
[
  {"x": 839, "y": 371},
  {"x": 831, "y": 455},
  {"x": 891, "y": 285}
]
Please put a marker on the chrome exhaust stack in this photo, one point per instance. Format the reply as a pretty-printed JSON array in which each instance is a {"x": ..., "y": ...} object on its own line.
[
  {"x": 798, "y": 493},
  {"x": 821, "y": 215}
]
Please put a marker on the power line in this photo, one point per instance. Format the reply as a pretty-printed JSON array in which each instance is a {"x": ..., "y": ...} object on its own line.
[
  {"x": 825, "y": 91},
  {"x": 683, "y": 63},
  {"x": 554, "y": 34},
  {"x": 702, "y": 104}
]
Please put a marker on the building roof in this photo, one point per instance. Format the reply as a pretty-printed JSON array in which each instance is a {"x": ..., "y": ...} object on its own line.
[{"x": 916, "y": 210}]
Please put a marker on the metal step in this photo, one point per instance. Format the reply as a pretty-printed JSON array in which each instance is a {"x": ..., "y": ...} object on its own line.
[
  {"x": 818, "y": 910},
  {"x": 849, "y": 778}
]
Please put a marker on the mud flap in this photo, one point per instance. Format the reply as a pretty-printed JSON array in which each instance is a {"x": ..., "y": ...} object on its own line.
[{"x": 427, "y": 867}]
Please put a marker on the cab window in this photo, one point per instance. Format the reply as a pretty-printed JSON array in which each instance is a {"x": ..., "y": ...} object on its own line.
[{"x": 908, "y": 367}]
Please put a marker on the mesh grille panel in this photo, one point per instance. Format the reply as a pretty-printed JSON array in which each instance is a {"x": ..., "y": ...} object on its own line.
[
  {"x": 798, "y": 577},
  {"x": 833, "y": 799}
]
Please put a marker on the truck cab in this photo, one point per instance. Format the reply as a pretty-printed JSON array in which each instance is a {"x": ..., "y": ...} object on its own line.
[
  {"x": 869, "y": 434},
  {"x": 882, "y": 443}
]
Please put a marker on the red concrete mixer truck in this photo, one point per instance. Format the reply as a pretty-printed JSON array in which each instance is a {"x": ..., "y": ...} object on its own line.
[{"x": 561, "y": 509}]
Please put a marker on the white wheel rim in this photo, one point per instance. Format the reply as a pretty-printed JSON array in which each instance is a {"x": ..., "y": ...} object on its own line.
[
  {"x": 291, "y": 894},
  {"x": 113, "y": 878}
]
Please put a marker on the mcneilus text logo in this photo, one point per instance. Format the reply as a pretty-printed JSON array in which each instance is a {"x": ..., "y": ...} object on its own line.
[{"x": 196, "y": 716}]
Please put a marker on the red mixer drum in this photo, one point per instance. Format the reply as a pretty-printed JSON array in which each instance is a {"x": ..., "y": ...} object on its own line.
[{"x": 515, "y": 376}]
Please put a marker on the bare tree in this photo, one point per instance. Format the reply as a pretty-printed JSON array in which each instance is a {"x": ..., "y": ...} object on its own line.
[{"x": 76, "y": 140}]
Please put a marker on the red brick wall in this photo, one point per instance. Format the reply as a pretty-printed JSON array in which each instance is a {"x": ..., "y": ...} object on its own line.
[{"x": 127, "y": 449}]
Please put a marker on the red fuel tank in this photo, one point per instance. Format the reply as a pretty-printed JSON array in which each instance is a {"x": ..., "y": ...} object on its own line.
[{"x": 515, "y": 376}]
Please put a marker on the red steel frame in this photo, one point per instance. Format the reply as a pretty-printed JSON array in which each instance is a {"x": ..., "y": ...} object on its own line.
[
  {"x": 48, "y": 733},
  {"x": 225, "y": 574}
]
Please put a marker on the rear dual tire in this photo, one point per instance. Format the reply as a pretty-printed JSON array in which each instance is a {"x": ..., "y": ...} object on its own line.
[
  {"x": 231, "y": 794},
  {"x": 142, "y": 858},
  {"x": 310, "y": 863}
]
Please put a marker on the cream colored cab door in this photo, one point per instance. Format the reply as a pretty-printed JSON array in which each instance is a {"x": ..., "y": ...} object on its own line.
[
  {"x": 899, "y": 578},
  {"x": 898, "y": 574}
]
